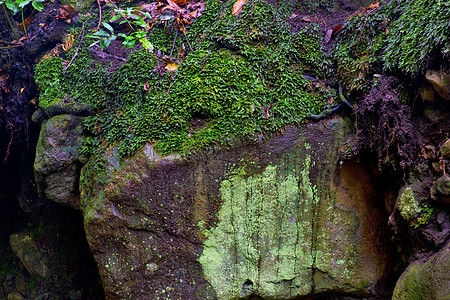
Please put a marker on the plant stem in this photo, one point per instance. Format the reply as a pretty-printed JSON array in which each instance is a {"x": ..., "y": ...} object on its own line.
[
  {"x": 9, "y": 21},
  {"x": 173, "y": 46},
  {"x": 23, "y": 24}
]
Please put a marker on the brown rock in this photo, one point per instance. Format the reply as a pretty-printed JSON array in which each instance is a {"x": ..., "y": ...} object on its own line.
[
  {"x": 440, "y": 191},
  {"x": 440, "y": 81}
]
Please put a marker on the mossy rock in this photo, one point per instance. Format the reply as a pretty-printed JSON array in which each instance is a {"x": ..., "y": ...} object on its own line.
[{"x": 428, "y": 279}]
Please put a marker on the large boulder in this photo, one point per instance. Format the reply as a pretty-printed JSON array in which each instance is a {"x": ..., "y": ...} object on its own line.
[
  {"x": 57, "y": 166},
  {"x": 279, "y": 219},
  {"x": 429, "y": 279}
]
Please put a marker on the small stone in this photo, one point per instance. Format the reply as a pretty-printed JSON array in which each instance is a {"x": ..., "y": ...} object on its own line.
[
  {"x": 15, "y": 296},
  {"x": 428, "y": 152},
  {"x": 427, "y": 93},
  {"x": 21, "y": 284},
  {"x": 436, "y": 167},
  {"x": 440, "y": 191},
  {"x": 445, "y": 149},
  {"x": 440, "y": 81},
  {"x": 34, "y": 260},
  {"x": 434, "y": 114}
]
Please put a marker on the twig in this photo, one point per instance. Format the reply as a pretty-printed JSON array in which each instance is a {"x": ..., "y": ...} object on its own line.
[
  {"x": 12, "y": 43},
  {"x": 76, "y": 52},
  {"x": 103, "y": 55},
  {"x": 173, "y": 46},
  {"x": 10, "y": 126},
  {"x": 9, "y": 21},
  {"x": 99, "y": 15},
  {"x": 184, "y": 32},
  {"x": 8, "y": 47}
]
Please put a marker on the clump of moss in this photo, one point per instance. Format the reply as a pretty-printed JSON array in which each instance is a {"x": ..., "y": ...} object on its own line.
[
  {"x": 218, "y": 93},
  {"x": 401, "y": 35},
  {"x": 417, "y": 29},
  {"x": 358, "y": 52}
]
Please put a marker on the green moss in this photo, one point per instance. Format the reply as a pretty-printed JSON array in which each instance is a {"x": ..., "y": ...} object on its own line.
[
  {"x": 48, "y": 75},
  {"x": 401, "y": 35},
  {"x": 216, "y": 95},
  {"x": 359, "y": 49},
  {"x": 408, "y": 206},
  {"x": 417, "y": 29}
]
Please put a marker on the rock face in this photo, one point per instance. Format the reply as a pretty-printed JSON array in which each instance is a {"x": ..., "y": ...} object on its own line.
[
  {"x": 279, "y": 219},
  {"x": 440, "y": 81},
  {"x": 426, "y": 280},
  {"x": 57, "y": 165}
]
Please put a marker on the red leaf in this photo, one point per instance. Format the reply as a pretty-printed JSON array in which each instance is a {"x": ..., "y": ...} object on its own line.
[
  {"x": 337, "y": 29},
  {"x": 146, "y": 87}
]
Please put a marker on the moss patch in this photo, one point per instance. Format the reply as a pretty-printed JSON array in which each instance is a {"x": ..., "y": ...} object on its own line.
[{"x": 243, "y": 79}]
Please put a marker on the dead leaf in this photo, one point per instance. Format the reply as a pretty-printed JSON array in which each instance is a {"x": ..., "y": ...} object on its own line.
[
  {"x": 25, "y": 23},
  {"x": 237, "y": 7},
  {"x": 337, "y": 29},
  {"x": 146, "y": 86},
  {"x": 328, "y": 36},
  {"x": 173, "y": 5},
  {"x": 171, "y": 66},
  {"x": 67, "y": 13}
]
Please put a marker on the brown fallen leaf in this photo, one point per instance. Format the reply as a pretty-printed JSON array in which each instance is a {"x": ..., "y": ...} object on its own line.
[
  {"x": 146, "y": 86},
  {"x": 237, "y": 7},
  {"x": 312, "y": 19},
  {"x": 67, "y": 13},
  {"x": 25, "y": 23},
  {"x": 337, "y": 29}
]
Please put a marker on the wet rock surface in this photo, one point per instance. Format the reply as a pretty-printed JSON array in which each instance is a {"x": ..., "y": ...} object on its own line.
[
  {"x": 57, "y": 165},
  {"x": 279, "y": 219}
]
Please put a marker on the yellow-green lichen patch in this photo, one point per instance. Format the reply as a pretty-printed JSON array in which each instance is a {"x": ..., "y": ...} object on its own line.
[
  {"x": 260, "y": 241},
  {"x": 408, "y": 205}
]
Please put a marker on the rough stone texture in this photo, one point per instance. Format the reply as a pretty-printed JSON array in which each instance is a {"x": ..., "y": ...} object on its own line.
[
  {"x": 277, "y": 219},
  {"x": 445, "y": 149},
  {"x": 35, "y": 261},
  {"x": 426, "y": 280},
  {"x": 440, "y": 191},
  {"x": 57, "y": 165},
  {"x": 440, "y": 81}
]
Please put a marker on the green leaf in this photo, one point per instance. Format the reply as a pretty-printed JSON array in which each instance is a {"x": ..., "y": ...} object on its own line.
[
  {"x": 12, "y": 6},
  {"x": 107, "y": 26},
  {"x": 22, "y": 3},
  {"x": 38, "y": 4},
  {"x": 146, "y": 44}
]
